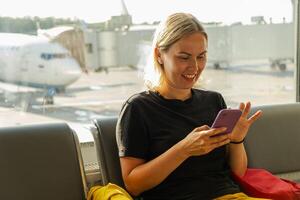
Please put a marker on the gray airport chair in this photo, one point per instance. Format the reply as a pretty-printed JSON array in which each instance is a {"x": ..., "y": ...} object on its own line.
[
  {"x": 41, "y": 162},
  {"x": 273, "y": 141},
  {"x": 107, "y": 151}
]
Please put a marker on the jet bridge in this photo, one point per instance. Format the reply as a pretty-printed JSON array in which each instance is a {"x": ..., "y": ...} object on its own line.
[{"x": 274, "y": 42}]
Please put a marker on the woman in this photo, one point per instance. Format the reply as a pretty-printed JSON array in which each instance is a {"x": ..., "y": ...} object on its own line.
[{"x": 165, "y": 144}]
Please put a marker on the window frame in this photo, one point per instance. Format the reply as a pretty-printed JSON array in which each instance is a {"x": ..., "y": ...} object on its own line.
[{"x": 297, "y": 46}]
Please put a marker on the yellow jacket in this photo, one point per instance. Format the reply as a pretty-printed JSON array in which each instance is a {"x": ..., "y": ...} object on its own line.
[{"x": 108, "y": 192}]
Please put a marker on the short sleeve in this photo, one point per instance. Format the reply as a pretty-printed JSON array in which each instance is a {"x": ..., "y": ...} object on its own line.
[
  {"x": 131, "y": 132},
  {"x": 222, "y": 102}
]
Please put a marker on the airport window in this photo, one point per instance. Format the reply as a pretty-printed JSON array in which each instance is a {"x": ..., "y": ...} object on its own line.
[{"x": 99, "y": 56}]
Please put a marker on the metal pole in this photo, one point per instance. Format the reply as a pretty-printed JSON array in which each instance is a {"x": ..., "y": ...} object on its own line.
[{"x": 297, "y": 46}]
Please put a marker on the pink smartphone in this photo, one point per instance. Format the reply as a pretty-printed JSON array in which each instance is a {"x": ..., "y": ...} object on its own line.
[{"x": 227, "y": 118}]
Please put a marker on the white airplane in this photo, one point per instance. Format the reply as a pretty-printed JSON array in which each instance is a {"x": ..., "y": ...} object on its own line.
[{"x": 34, "y": 61}]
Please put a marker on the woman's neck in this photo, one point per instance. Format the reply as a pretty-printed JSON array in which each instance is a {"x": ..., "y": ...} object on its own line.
[{"x": 174, "y": 93}]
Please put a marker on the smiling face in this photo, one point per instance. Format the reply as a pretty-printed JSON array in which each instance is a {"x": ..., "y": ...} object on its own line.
[{"x": 183, "y": 63}]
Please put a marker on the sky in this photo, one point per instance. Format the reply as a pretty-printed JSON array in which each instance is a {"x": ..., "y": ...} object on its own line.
[{"x": 226, "y": 11}]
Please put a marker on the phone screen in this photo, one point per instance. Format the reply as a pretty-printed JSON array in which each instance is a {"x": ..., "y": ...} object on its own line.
[{"x": 227, "y": 118}]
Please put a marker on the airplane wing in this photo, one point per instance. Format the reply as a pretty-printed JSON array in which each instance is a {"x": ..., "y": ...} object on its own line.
[
  {"x": 71, "y": 90},
  {"x": 13, "y": 88},
  {"x": 12, "y": 94}
]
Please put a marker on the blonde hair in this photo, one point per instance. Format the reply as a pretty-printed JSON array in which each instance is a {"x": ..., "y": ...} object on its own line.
[{"x": 169, "y": 31}]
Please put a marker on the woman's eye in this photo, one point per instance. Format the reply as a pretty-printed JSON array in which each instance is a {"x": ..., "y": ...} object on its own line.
[{"x": 184, "y": 58}]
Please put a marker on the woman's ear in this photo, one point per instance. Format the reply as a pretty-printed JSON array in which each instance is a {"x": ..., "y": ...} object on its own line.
[{"x": 158, "y": 55}]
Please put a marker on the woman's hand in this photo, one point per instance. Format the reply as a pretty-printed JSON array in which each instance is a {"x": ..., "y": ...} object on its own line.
[
  {"x": 203, "y": 140},
  {"x": 240, "y": 130}
]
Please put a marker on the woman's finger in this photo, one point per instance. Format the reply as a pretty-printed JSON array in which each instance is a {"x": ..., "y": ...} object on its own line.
[
  {"x": 242, "y": 106},
  {"x": 246, "y": 110},
  {"x": 217, "y": 139},
  {"x": 202, "y": 128},
  {"x": 255, "y": 116},
  {"x": 214, "y": 131}
]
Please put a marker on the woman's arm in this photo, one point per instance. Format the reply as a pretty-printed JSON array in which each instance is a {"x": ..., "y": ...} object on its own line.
[
  {"x": 140, "y": 176},
  {"x": 237, "y": 154},
  {"x": 237, "y": 158}
]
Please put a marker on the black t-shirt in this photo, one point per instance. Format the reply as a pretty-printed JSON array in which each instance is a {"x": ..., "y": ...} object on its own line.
[{"x": 149, "y": 125}]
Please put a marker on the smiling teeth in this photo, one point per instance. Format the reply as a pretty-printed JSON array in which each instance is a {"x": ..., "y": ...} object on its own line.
[{"x": 189, "y": 76}]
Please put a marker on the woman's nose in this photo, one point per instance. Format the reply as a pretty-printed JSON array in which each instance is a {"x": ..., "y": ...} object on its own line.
[{"x": 194, "y": 63}]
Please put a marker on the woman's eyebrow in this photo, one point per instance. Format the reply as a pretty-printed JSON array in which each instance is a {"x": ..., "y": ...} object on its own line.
[{"x": 182, "y": 52}]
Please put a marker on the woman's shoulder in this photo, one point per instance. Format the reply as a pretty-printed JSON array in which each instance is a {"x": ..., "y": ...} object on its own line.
[
  {"x": 138, "y": 98},
  {"x": 136, "y": 102}
]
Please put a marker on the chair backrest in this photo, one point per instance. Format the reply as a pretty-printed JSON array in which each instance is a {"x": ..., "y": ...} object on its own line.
[
  {"x": 107, "y": 151},
  {"x": 40, "y": 162},
  {"x": 273, "y": 141}
]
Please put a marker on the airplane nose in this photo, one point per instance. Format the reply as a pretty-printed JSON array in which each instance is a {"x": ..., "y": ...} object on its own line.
[{"x": 71, "y": 71}]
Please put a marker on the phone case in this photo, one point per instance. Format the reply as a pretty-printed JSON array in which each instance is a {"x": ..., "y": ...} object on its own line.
[{"x": 227, "y": 118}]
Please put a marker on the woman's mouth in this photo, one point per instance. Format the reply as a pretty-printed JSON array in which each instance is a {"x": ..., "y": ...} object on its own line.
[{"x": 189, "y": 76}]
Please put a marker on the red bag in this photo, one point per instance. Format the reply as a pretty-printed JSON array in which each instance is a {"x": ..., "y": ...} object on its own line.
[{"x": 262, "y": 184}]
